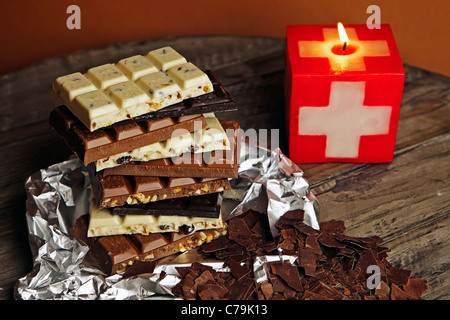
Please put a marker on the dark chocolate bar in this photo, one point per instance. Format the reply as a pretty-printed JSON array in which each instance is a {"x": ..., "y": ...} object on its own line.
[
  {"x": 217, "y": 101},
  {"x": 114, "y": 254},
  {"x": 207, "y": 205},
  {"x": 115, "y": 191},
  {"x": 217, "y": 164}
]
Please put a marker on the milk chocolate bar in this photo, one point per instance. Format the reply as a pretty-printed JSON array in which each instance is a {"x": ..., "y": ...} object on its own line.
[
  {"x": 212, "y": 137},
  {"x": 119, "y": 138},
  {"x": 217, "y": 164},
  {"x": 115, "y": 254},
  {"x": 207, "y": 206},
  {"x": 114, "y": 191},
  {"x": 103, "y": 223},
  {"x": 110, "y": 93}
]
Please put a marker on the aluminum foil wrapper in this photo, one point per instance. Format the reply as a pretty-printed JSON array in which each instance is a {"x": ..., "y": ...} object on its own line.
[{"x": 57, "y": 196}]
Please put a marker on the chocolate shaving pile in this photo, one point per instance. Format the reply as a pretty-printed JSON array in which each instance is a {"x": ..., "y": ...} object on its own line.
[{"x": 329, "y": 264}]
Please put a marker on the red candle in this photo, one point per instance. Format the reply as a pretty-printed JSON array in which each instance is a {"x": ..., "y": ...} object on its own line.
[{"x": 343, "y": 93}]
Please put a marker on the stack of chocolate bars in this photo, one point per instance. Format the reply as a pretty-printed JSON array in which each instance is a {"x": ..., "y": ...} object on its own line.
[{"x": 157, "y": 156}]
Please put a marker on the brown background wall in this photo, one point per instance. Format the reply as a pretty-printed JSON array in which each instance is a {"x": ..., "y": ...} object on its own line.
[{"x": 33, "y": 30}]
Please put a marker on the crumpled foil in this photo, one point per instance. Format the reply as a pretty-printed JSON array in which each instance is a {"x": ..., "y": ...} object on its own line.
[{"x": 57, "y": 196}]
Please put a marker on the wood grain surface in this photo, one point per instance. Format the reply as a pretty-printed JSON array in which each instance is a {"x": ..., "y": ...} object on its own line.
[{"x": 406, "y": 202}]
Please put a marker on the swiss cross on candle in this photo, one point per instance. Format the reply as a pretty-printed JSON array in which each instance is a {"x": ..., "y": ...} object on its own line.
[
  {"x": 346, "y": 108},
  {"x": 353, "y": 59},
  {"x": 343, "y": 94}
]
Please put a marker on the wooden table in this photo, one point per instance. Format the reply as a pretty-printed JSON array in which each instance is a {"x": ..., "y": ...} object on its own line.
[{"x": 406, "y": 202}]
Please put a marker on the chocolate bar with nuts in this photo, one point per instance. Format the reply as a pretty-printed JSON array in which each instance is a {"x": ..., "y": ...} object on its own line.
[
  {"x": 217, "y": 164},
  {"x": 115, "y": 254},
  {"x": 103, "y": 223},
  {"x": 114, "y": 191}
]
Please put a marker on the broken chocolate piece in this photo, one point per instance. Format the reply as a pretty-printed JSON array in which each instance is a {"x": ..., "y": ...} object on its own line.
[
  {"x": 237, "y": 270},
  {"x": 415, "y": 288},
  {"x": 202, "y": 282},
  {"x": 288, "y": 272},
  {"x": 307, "y": 260}
]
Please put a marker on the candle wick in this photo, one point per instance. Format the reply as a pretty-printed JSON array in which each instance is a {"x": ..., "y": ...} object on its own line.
[{"x": 345, "y": 46}]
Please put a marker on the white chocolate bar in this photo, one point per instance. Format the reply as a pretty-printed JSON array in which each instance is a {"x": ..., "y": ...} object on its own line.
[
  {"x": 103, "y": 223},
  {"x": 165, "y": 58},
  {"x": 133, "y": 86},
  {"x": 210, "y": 138}
]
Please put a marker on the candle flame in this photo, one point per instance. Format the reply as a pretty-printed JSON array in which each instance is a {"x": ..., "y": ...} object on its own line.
[{"x": 342, "y": 34}]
